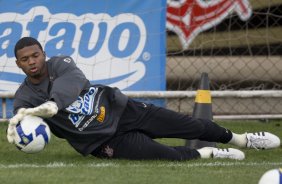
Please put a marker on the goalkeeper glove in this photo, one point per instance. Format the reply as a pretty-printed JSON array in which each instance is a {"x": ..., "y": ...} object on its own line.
[
  {"x": 45, "y": 110},
  {"x": 11, "y": 130}
]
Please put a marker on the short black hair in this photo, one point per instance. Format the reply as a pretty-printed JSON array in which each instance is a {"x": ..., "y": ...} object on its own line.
[{"x": 25, "y": 42}]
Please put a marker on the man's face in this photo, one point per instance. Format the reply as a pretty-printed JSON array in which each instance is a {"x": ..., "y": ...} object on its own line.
[{"x": 31, "y": 60}]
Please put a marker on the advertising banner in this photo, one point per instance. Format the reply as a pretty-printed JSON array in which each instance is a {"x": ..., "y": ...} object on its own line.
[{"x": 114, "y": 42}]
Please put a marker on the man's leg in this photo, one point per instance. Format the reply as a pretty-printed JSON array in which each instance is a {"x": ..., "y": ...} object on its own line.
[
  {"x": 138, "y": 146},
  {"x": 162, "y": 122},
  {"x": 158, "y": 122}
]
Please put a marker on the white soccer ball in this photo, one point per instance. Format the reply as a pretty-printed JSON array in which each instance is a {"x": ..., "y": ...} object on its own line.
[
  {"x": 32, "y": 134},
  {"x": 272, "y": 176}
]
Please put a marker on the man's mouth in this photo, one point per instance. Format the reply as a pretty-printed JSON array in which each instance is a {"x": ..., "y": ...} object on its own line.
[{"x": 33, "y": 70}]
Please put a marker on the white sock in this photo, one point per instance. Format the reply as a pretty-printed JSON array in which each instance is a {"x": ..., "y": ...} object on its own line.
[
  {"x": 238, "y": 140},
  {"x": 205, "y": 152}
]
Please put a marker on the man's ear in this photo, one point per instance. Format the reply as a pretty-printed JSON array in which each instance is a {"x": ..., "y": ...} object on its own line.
[{"x": 17, "y": 62}]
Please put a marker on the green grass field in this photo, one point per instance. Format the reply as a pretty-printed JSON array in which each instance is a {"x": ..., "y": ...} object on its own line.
[{"x": 59, "y": 163}]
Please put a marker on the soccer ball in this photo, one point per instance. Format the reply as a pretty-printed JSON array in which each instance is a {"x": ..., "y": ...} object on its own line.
[
  {"x": 32, "y": 134},
  {"x": 272, "y": 176}
]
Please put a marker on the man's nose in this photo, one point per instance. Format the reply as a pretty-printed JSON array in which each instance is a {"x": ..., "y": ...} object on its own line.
[{"x": 31, "y": 61}]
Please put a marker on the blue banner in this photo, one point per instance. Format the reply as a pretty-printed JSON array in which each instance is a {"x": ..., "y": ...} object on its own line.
[{"x": 114, "y": 42}]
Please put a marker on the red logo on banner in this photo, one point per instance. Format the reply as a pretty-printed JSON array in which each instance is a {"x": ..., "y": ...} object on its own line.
[{"x": 187, "y": 18}]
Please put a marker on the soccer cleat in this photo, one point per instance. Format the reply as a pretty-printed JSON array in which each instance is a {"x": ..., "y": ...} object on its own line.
[
  {"x": 228, "y": 153},
  {"x": 262, "y": 140}
]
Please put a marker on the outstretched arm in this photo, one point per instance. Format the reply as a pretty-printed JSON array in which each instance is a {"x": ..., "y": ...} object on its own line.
[{"x": 68, "y": 82}]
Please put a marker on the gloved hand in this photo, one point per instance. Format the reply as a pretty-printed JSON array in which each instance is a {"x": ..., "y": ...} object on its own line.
[
  {"x": 11, "y": 131},
  {"x": 45, "y": 110}
]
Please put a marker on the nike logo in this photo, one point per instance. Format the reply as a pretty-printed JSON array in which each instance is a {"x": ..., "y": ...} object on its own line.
[{"x": 145, "y": 106}]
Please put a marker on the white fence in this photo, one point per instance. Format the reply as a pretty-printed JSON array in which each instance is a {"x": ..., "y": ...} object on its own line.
[{"x": 276, "y": 94}]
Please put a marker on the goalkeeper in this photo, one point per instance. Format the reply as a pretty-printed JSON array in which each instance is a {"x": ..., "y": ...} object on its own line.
[{"x": 100, "y": 120}]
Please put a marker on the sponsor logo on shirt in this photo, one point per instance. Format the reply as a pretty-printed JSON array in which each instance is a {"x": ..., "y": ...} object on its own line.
[
  {"x": 96, "y": 112},
  {"x": 82, "y": 107},
  {"x": 67, "y": 60},
  {"x": 102, "y": 114}
]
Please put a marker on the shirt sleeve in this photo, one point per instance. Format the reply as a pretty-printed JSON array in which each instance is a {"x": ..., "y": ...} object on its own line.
[
  {"x": 24, "y": 98},
  {"x": 19, "y": 104},
  {"x": 68, "y": 81}
]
